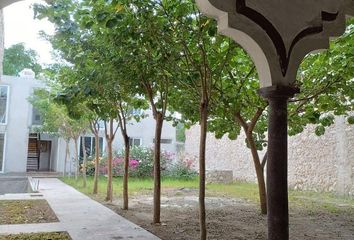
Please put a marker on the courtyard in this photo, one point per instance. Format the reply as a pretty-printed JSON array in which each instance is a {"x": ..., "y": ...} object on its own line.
[
  {"x": 233, "y": 210},
  {"x": 176, "y": 119}
]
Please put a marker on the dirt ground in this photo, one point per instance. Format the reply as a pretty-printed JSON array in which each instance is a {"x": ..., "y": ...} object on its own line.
[
  {"x": 229, "y": 218},
  {"x": 26, "y": 211}
]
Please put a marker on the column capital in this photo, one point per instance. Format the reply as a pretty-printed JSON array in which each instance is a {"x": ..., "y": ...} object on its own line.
[
  {"x": 278, "y": 91},
  {"x": 279, "y": 34}
]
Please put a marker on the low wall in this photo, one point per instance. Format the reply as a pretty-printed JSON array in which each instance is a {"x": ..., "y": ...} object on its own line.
[
  {"x": 324, "y": 163},
  {"x": 12, "y": 185}
]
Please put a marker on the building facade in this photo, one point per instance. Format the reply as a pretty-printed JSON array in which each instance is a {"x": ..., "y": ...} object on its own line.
[{"x": 22, "y": 150}]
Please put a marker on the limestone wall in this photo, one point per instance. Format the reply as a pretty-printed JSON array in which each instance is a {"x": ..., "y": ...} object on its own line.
[
  {"x": 323, "y": 163},
  {"x": 1, "y": 41}
]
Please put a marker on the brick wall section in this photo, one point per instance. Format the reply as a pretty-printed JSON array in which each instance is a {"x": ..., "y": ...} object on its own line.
[{"x": 323, "y": 163}]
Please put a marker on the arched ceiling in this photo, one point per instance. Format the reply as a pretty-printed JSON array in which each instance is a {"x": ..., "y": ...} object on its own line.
[{"x": 5, "y": 3}]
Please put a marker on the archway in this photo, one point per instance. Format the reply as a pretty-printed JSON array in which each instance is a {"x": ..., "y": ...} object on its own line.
[{"x": 278, "y": 35}]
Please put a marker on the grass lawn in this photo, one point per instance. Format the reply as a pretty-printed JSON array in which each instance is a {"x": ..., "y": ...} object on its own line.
[
  {"x": 26, "y": 211},
  {"x": 37, "y": 236},
  {"x": 246, "y": 191}
]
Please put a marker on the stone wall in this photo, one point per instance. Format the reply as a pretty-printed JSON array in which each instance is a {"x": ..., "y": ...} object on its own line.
[
  {"x": 1, "y": 41},
  {"x": 323, "y": 163}
]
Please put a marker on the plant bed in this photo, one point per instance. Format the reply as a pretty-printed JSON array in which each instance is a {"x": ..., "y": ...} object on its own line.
[
  {"x": 26, "y": 211},
  {"x": 37, "y": 236}
]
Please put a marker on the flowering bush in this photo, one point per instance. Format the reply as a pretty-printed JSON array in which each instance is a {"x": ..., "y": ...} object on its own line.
[
  {"x": 182, "y": 170},
  {"x": 145, "y": 157},
  {"x": 118, "y": 166},
  {"x": 141, "y": 163}
]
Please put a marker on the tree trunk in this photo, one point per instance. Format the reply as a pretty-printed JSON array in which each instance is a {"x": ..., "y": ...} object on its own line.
[
  {"x": 109, "y": 196},
  {"x": 77, "y": 165},
  {"x": 66, "y": 157},
  {"x": 202, "y": 148},
  {"x": 97, "y": 163},
  {"x": 126, "y": 172},
  {"x": 259, "y": 172},
  {"x": 157, "y": 168},
  {"x": 84, "y": 162}
]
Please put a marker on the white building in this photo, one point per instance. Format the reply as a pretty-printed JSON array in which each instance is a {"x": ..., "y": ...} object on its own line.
[{"x": 22, "y": 150}]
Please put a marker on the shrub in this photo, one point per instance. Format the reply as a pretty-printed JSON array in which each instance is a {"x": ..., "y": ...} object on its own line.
[
  {"x": 145, "y": 157},
  {"x": 90, "y": 167},
  {"x": 141, "y": 163},
  {"x": 182, "y": 170},
  {"x": 118, "y": 166}
]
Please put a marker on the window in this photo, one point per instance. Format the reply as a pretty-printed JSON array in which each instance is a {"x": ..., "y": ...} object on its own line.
[
  {"x": 164, "y": 141},
  {"x": 2, "y": 148},
  {"x": 4, "y": 92},
  {"x": 135, "y": 142},
  {"x": 90, "y": 146},
  {"x": 36, "y": 117}
]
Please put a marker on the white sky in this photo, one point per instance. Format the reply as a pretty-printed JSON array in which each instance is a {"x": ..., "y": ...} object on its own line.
[{"x": 21, "y": 27}]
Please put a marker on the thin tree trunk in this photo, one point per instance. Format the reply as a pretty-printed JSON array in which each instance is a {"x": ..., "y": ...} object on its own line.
[
  {"x": 66, "y": 156},
  {"x": 77, "y": 165},
  {"x": 97, "y": 163},
  {"x": 109, "y": 196},
  {"x": 126, "y": 172},
  {"x": 259, "y": 166},
  {"x": 84, "y": 162},
  {"x": 202, "y": 148},
  {"x": 259, "y": 172},
  {"x": 157, "y": 168}
]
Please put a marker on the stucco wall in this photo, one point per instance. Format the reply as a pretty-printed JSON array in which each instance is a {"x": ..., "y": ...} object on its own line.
[
  {"x": 18, "y": 122},
  {"x": 323, "y": 163},
  {"x": 145, "y": 130}
]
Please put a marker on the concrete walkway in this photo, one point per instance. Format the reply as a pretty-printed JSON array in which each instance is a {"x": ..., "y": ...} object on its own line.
[{"x": 80, "y": 216}]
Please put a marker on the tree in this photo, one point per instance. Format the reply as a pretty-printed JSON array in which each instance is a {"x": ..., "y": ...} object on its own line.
[
  {"x": 204, "y": 57},
  {"x": 17, "y": 58},
  {"x": 55, "y": 119},
  {"x": 326, "y": 91},
  {"x": 99, "y": 86},
  {"x": 150, "y": 57}
]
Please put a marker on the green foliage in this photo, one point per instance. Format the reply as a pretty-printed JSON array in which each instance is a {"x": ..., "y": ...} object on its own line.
[
  {"x": 17, "y": 58},
  {"x": 141, "y": 163},
  {"x": 182, "y": 169},
  {"x": 166, "y": 52},
  {"x": 326, "y": 80},
  {"x": 180, "y": 133},
  {"x": 351, "y": 120},
  {"x": 55, "y": 117},
  {"x": 37, "y": 236}
]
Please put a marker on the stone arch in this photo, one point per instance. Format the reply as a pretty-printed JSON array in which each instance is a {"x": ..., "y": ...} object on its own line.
[{"x": 277, "y": 51}]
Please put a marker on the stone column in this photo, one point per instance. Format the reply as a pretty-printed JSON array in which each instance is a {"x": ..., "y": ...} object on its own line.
[{"x": 277, "y": 162}]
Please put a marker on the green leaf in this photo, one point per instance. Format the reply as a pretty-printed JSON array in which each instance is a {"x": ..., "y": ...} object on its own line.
[
  {"x": 111, "y": 23},
  {"x": 320, "y": 130},
  {"x": 351, "y": 120}
]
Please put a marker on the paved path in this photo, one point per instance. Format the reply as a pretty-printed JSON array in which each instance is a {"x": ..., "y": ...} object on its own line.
[{"x": 79, "y": 215}]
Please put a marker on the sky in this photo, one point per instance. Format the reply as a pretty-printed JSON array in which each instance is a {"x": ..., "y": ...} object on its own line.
[{"x": 21, "y": 27}]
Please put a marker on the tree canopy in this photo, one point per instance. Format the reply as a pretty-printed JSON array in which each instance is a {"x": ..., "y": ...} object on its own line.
[
  {"x": 123, "y": 54},
  {"x": 18, "y": 57}
]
